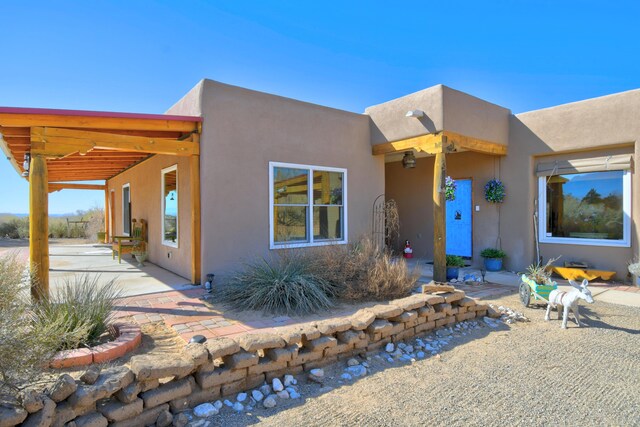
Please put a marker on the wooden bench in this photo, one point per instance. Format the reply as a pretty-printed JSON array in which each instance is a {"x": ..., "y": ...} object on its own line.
[{"x": 127, "y": 244}]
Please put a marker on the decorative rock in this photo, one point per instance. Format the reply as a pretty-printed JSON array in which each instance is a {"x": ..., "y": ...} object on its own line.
[
  {"x": 294, "y": 395},
  {"x": 420, "y": 355},
  {"x": 12, "y": 415},
  {"x": 180, "y": 420},
  {"x": 32, "y": 401},
  {"x": 277, "y": 385},
  {"x": 346, "y": 376},
  {"x": 352, "y": 362},
  {"x": 63, "y": 388},
  {"x": 257, "y": 395},
  {"x": 389, "y": 348},
  {"x": 357, "y": 371},
  {"x": 238, "y": 407},
  {"x": 217, "y": 404},
  {"x": 110, "y": 381},
  {"x": 265, "y": 390},
  {"x": 290, "y": 380},
  {"x": 284, "y": 394},
  {"x": 164, "y": 419},
  {"x": 91, "y": 375},
  {"x": 316, "y": 375},
  {"x": 228, "y": 403},
  {"x": 241, "y": 397},
  {"x": 205, "y": 410},
  {"x": 269, "y": 402},
  {"x": 43, "y": 417}
]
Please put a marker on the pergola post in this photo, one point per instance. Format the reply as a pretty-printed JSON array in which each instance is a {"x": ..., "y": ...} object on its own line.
[
  {"x": 106, "y": 214},
  {"x": 195, "y": 219},
  {"x": 39, "y": 227},
  {"x": 439, "y": 223}
]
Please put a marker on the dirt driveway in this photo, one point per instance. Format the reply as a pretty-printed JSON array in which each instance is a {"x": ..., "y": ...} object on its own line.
[{"x": 523, "y": 374}]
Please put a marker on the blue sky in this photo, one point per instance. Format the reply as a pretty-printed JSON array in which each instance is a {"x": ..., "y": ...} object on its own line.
[{"x": 143, "y": 56}]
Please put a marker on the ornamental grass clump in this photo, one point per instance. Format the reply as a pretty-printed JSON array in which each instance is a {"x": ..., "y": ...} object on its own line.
[
  {"x": 283, "y": 284},
  {"x": 81, "y": 307},
  {"x": 24, "y": 349},
  {"x": 364, "y": 272}
]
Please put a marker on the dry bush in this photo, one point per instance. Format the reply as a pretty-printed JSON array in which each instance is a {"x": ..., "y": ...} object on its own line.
[
  {"x": 24, "y": 349},
  {"x": 363, "y": 271}
]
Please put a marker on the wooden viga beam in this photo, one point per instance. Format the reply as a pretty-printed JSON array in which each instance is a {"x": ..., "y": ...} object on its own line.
[
  {"x": 441, "y": 142},
  {"x": 60, "y": 142},
  {"x": 57, "y": 186}
]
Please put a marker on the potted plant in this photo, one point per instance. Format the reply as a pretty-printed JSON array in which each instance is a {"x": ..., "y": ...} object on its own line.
[
  {"x": 493, "y": 258},
  {"x": 537, "y": 278},
  {"x": 140, "y": 253},
  {"x": 454, "y": 263}
]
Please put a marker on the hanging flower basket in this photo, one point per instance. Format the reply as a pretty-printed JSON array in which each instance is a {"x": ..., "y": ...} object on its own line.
[
  {"x": 450, "y": 189},
  {"x": 494, "y": 191}
]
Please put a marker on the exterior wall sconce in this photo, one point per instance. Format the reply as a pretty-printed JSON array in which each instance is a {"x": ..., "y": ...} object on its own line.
[
  {"x": 26, "y": 164},
  {"x": 415, "y": 113},
  {"x": 409, "y": 160}
]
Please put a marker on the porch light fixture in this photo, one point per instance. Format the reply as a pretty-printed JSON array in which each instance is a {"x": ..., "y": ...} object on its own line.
[
  {"x": 415, "y": 113},
  {"x": 409, "y": 160},
  {"x": 26, "y": 164}
]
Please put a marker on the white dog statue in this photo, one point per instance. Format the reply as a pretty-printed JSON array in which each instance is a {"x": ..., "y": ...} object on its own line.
[{"x": 569, "y": 300}]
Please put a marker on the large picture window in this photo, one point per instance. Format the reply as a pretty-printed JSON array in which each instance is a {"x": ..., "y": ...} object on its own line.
[
  {"x": 307, "y": 205},
  {"x": 170, "y": 206},
  {"x": 592, "y": 208}
]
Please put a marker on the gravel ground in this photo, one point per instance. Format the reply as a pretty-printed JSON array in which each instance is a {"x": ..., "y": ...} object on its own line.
[{"x": 523, "y": 374}]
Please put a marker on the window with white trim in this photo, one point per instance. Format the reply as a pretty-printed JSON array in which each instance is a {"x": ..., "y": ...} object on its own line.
[
  {"x": 591, "y": 208},
  {"x": 307, "y": 205}
]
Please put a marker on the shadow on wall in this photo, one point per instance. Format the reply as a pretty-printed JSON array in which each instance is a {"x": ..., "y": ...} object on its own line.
[{"x": 378, "y": 135}]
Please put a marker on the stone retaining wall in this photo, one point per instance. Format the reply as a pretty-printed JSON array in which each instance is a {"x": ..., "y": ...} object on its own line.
[{"x": 154, "y": 388}]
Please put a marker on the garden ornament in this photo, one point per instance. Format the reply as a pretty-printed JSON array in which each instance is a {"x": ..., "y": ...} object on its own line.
[{"x": 569, "y": 300}]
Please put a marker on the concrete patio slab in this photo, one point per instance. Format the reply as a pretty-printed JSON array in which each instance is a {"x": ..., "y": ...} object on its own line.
[{"x": 67, "y": 261}]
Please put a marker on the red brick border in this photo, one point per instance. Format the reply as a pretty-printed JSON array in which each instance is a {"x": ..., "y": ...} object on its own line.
[{"x": 129, "y": 337}]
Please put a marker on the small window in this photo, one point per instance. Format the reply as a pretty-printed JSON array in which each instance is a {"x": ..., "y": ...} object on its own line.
[
  {"x": 307, "y": 205},
  {"x": 592, "y": 208},
  {"x": 126, "y": 209},
  {"x": 170, "y": 206}
]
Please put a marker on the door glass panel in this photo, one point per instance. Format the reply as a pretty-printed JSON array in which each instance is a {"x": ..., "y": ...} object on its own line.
[
  {"x": 126, "y": 211},
  {"x": 170, "y": 214}
]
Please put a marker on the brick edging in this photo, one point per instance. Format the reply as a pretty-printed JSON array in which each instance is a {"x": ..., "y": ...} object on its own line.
[{"x": 129, "y": 336}]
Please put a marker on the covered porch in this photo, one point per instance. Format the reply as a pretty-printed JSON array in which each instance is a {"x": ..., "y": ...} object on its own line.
[{"x": 69, "y": 150}]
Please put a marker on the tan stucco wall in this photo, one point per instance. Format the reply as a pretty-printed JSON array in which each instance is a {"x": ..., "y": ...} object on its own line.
[
  {"x": 412, "y": 190},
  {"x": 596, "y": 124},
  {"x": 145, "y": 183},
  {"x": 146, "y": 201},
  {"x": 445, "y": 109},
  {"x": 243, "y": 131}
]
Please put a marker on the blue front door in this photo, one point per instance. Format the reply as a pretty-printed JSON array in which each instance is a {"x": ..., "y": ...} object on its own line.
[{"x": 459, "y": 220}]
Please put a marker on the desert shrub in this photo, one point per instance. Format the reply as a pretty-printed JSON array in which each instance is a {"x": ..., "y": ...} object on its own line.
[
  {"x": 24, "y": 349},
  {"x": 57, "y": 228},
  {"x": 283, "y": 284},
  {"x": 81, "y": 308},
  {"x": 15, "y": 228},
  {"x": 363, "y": 271}
]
